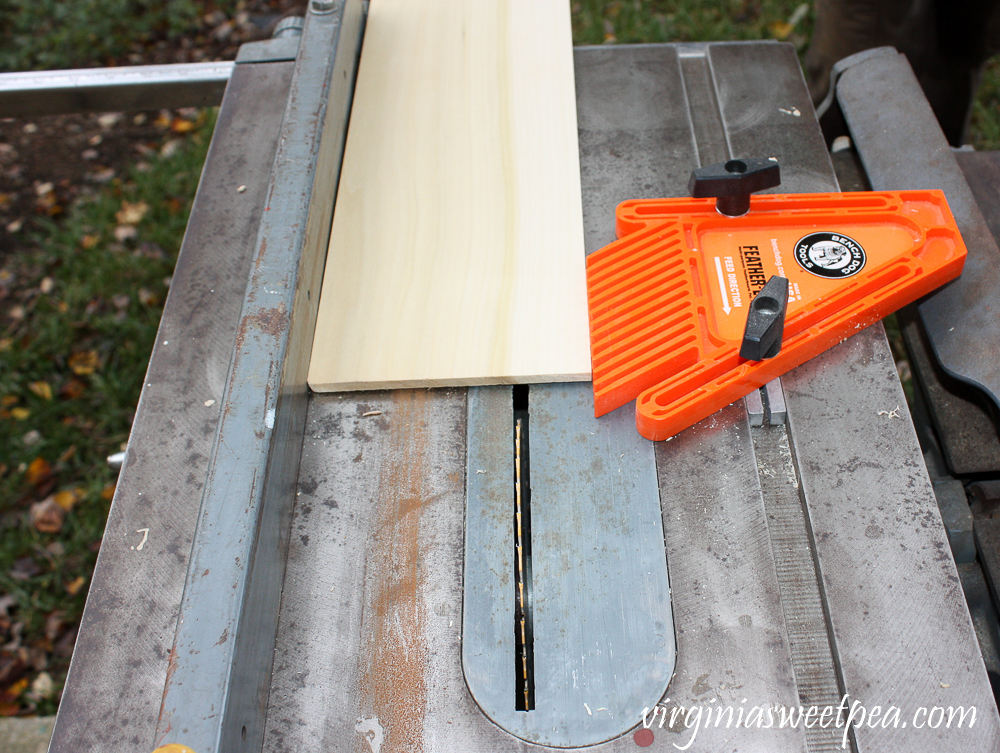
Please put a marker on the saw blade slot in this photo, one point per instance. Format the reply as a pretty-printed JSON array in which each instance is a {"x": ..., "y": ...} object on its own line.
[{"x": 524, "y": 654}]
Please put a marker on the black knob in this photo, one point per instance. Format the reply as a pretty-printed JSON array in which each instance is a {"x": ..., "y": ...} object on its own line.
[
  {"x": 766, "y": 321},
  {"x": 732, "y": 183}
]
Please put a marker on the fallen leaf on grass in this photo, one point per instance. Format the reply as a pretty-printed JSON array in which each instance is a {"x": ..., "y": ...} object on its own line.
[
  {"x": 72, "y": 389},
  {"x": 8, "y": 400},
  {"x": 67, "y": 454},
  {"x": 125, "y": 232},
  {"x": 783, "y": 29},
  {"x": 182, "y": 125},
  {"x": 5, "y": 343},
  {"x": 25, "y": 568},
  {"x": 780, "y": 29},
  {"x": 42, "y": 687},
  {"x": 47, "y": 516},
  {"x": 89, "y": 241},
  {"x": 67, "y": 498},
  {"x": 46, "y": 201},
  {"x": 14, "y": 644},
  {"x": 102, "y": 174},
  {"x": 108, "y": 492},
  {"x": 38, "y": 471},
  {"x": 148, "y": 297},
  {"x": 151, "y": 251},
  {"x": 8, "y": 699},
  {"x": 85, "y": 362},
  {"x": 109, "y": 119},
  {"x": 74, "y": 586},
  {"x": 42, "y": 389},
  {"x": 6, "y": 602},
  {"x": 47, "y": 285},
  {"x": 169, "y": 149},
  {"x": 54, "y": 625},
  {"x": 21, "y": 414},
  {"x": 131, "y": 213}
]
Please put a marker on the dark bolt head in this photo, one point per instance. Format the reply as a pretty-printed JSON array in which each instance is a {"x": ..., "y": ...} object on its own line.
[{"x": 732, "y": 183}]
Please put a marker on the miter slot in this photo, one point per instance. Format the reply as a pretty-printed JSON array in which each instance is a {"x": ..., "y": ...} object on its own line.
[
  {"x": 802, "y": 598},
  {"x": 524, "y": 653}
]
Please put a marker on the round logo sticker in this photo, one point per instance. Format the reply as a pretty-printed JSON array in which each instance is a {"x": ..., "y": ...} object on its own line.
[{"x": 830, "y": 255}]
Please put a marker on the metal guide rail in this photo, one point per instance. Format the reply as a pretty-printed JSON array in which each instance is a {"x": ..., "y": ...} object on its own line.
[{"x": 807, "y": 561}]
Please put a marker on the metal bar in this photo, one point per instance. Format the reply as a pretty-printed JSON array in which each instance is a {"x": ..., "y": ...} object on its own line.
[
  {"x": 884, "y": 107},
  {"x": 215, "y": 696},
  {"x": 776, "y": 412},
  {"x": 139, "y": 87},
  {"x": 754, "y": 403},
  {"x": 801, "y": 598},
  {"x": 113, "y": 692}
]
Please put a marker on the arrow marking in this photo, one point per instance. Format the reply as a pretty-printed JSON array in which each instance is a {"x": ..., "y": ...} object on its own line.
[{"x": 722, "y": 287}]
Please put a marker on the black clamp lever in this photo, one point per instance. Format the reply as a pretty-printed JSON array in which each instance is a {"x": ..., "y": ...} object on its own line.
[
  {"x": 731, "y": 183},
  {"x": 766, "y": 321}
]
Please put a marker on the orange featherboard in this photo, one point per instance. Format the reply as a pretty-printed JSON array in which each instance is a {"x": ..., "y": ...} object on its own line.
[{"x": 669, "y": 299}]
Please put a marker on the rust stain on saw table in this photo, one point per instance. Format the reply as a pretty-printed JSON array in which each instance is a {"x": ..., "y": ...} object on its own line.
[{"x": 393, "y": 687}]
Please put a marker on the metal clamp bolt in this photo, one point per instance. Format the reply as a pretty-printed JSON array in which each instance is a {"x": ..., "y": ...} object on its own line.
[
  {"x": 731, "y": 183},
  {"x": 323, "y": 7}
]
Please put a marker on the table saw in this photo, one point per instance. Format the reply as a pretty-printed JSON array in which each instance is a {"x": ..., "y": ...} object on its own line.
[{"x": 286, "y": 571}]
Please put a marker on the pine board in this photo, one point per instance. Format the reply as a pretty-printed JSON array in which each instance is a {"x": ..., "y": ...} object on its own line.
[{"x": 456, "y": 254}]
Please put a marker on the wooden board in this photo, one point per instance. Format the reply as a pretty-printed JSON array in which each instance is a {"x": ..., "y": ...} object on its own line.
[{"x": 456, "y": 254}]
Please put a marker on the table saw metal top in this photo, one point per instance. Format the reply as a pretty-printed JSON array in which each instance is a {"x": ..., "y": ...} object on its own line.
[{"x": 307, "y": 582}]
